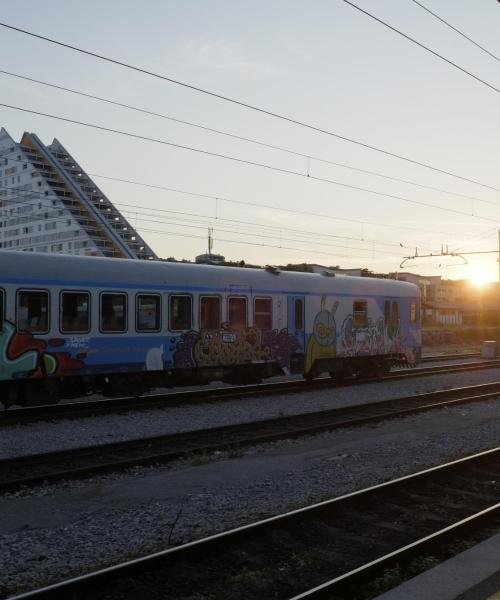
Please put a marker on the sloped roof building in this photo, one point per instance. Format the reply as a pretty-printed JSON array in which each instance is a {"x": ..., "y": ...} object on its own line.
[{"x": 49, "y": 204}]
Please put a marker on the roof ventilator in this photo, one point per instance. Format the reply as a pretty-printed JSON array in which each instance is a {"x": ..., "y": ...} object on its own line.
[{"x": 273, "y": 269}]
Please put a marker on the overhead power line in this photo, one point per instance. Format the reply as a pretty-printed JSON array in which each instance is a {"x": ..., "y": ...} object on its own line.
[
  {"x": 141, "y": 214},
  {"x": 261, "y": 235},
  {"x": 245, "y": 139},
  {"x": 246, "y": 243},
  {"x": 277, "y": 228},
  {"x": 248, "y": 162},
  {"x": 424, "y": 47},
  {"x": 476, "y": 239},
  {"x": 254, "y": 204},
  {"x": 259, "y": 109},
  {"x": 456, "y": 30}
]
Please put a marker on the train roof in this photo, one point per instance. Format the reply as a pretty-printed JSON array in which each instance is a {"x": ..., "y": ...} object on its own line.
[{"x": 92, "y": 271}]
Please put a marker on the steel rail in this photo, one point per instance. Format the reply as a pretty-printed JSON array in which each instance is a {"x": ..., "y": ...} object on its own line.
[
  {"x": 73, "y": 410},
  {"x": 318, "y": 551},
  {"x": 439, "y": 357},
  {"x": 81, "y": 462}
]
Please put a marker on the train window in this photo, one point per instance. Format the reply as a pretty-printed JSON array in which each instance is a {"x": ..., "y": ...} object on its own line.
[
  {"x": 263, "y": 313},
  {"x": 237, "y": 313},
  {"x": 209, "y": 312},
  {"x": 395, "y": 312},
  {"x": 180, "y": 313},
  {"x": 387, "y": 312},
  {"x": 2, "y": 308},
  {"x": 32, "y": 313},
  {"x": 413, "y": 312},
  {"x": 75, "y": 312},
  {"x": 113, "y": 313},
  {"x": 148, "y": 312},
  {"x": 360, "y": 313},
  {"x": 298, "y": 314}
]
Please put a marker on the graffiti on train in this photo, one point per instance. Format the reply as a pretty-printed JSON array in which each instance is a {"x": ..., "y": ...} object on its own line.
[
  {"x": 223, "y": 347},
  {"x": 322, "y": 343},
  {"x": 373, "y": 338},
  {"x": 21, "y": 355}
]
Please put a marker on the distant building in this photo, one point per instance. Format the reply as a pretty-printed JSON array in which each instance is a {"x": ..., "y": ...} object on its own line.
[
  {"x": 49, "y": 204},
  {"x": 455, "y": 301}
]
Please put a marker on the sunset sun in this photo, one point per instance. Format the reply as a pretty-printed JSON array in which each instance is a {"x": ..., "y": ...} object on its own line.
[{"x": 479, "y": 277}]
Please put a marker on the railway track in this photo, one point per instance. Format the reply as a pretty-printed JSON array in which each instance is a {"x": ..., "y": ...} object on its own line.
[
  {"x": 440, "y": 357},
  {"x": 204, "y": 395},
  {"x": 328, "y": 550},
  {"x": 82, "y": 462}
]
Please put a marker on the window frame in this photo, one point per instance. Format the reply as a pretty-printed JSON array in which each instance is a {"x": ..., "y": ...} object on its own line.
[
  {"x": 191, "y": 313},
  {"x": 157, "y": 329},
  {"x": 270, "y": 299},
  {"x": 89, "y": 294},
  {"x": 40, "y": 290},
  {"x": 237, "y": 297},
  {"x": 114, "y": 331},
  {"x": 395, "y": 313},
  {"x": 355, "y": 312},
  {"x": 387, "y": 312},
  {"x": 413, "y": 312},
  {"x": 219, "y": 297},
  {"x": 300, "y": 314}
]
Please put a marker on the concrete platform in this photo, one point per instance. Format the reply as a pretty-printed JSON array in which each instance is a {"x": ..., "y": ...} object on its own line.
[{"x": 471, "y": 575}]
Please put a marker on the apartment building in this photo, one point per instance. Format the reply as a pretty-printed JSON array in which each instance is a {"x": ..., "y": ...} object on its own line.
[{"x": 49, "y": 204}]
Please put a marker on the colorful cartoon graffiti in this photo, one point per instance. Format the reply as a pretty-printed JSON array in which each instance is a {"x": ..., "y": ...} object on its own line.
[
  {"x": 322, "y": 343},
  {"x": 22, "y": 355},
  {"x": 223, "y": 347}
]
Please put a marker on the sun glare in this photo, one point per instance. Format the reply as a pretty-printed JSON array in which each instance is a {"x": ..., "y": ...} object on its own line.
[{"x": 479, "y": 277}]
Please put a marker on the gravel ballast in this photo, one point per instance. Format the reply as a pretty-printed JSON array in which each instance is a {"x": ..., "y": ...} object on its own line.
[
  {"x": 53, "y": 532},
  {"x": 46, "y": 436}
]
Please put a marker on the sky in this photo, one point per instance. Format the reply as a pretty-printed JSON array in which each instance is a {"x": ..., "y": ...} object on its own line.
[{"x": 322, "y": 63}]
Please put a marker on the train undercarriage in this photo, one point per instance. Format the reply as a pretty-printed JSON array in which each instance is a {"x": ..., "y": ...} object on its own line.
[{"x": 49, "y": 390}]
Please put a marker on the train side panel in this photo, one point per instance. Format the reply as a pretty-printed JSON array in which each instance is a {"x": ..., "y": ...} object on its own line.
[{"x": 64, "y": 332}]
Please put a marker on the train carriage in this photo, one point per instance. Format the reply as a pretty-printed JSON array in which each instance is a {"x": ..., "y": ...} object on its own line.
[{"x": 71, "y": 325}]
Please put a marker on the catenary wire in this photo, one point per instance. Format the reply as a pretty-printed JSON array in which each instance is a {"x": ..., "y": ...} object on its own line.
[
  {"x": 475, "y": 239},
  {"x": 265, "y": 236},
  {"x": 252, "y": 107},
  {"x": 424, "y": 47},
  {"x": 247, "y": 139},
  {"x": 275, "y": 227},
  {"x": 266, "y": 206},
  {"x": 456, "y": 30},
  {"x": 57, "y": 219},
  {"x": 244, "y": 161},
  {"x": 246, "y": 243},
  {"x": 243, "y": 242},
  {"x": 254, "y": 204}
]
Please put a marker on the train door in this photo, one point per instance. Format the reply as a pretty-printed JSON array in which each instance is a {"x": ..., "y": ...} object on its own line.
[{"x": 296, "y": 319}]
